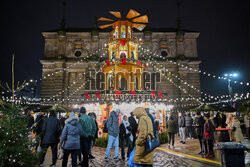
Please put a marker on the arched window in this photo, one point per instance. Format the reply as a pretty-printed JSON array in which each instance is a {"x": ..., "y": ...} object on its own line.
[
  {"x": 123, "y": 31},
  {"x": 116, "y": 32},
  {"x": 129, "y": 32},
  {"x": 123, "y": 84}
]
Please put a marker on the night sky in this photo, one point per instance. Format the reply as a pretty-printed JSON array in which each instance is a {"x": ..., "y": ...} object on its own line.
[{"x": 223, "y": 44}]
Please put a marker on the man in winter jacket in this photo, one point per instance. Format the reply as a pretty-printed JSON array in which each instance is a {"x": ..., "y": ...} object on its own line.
[
  {"x": 199, "y": 124},
  {"x": 188, "y": 124},
  {"x": 51, "y": 132},
  {"x": 113, "y": 131},
  {"x": 71, "y": 135},
  {"x": 133, "y": 125},
  {"x": 182, "y": 128},
  {"x": 89, "y": 130}
]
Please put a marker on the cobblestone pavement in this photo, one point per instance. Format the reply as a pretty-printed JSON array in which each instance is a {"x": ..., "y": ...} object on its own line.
[{"x": 161, "y": 159}]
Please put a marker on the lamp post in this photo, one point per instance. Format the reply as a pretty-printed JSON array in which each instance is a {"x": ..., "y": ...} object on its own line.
[{"x": 230, "y": 76}]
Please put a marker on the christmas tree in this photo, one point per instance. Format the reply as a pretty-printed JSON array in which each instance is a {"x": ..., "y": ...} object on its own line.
[{"x": 15, "y": 144}]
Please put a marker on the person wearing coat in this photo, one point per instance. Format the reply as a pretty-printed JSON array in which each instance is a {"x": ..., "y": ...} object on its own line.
[
  {"x": 209, "y": 136},
  {"x": 125, "y": 136},
  {"x": 229, "y": 123},
  {"x": 199, "y": 126},
  {"x": 89, "y": 130},
  {"x": 182, "y": 128},
  {"x": 133, "y": 125},
  {"x": 247, "y": 122},
  {"x": 51, "y": 132},
  {"x": 238, "y": 136},
  {"x": 188, "y": 124},
  {"x": 172, "y": 129},
  {"x": 71, "y": 138},
  {"x": 145, "y": 127},
  {"x": 113, "y": 131}
]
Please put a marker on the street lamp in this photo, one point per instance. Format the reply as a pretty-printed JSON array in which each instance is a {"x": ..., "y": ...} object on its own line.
[{"x": 230, "y": 76}]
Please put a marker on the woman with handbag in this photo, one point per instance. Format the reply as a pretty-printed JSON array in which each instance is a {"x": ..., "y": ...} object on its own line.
[
  {"x": 71, "y": 138},
  {"x": 145, "y": 128}
]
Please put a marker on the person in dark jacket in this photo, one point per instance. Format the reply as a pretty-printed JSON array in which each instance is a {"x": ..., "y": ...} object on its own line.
[
  {"x": 71, "y": 138},
  {"x": 30, "y": 120},
  {"x": 182, "y": 128},
  {"x": 188, "y": 124},
  {"x": 92, "y": 143},
  {"x": 125, "y": 136},
  {"x": 199, "y": 124},
  {"x": 62, "y": 122},
  {"x": 38, "y": 126},
  {"x": 51, "y": 132},
  {"x": 209, "y": 136},
  {"x": 113, "y": 131},
  {"x": 133, "y": 125},
  {"x": 152, "y": 119},
  {"x": 172, "y": 129}
]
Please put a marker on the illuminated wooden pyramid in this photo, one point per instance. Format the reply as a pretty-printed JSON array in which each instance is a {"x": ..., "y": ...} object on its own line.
[{"x": 123, "y": 68}]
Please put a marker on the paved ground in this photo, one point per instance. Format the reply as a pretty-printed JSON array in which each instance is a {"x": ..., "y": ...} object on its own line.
[
  {"x": 160, "y": 159},
  {"x": 183, "y": 155}
]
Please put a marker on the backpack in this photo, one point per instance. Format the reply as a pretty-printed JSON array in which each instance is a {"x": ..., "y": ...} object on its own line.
[{"x": 105, "y": 128}]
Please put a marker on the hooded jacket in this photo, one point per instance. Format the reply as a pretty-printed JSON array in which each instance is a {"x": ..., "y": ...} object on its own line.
[
  {"x": 172, "y": 126},
  {"x": 71, "y": 134},
  {"x": 188, "y": 121},
  {"x": 145, "y": 127},
  {"x": 113, "y": 124}
]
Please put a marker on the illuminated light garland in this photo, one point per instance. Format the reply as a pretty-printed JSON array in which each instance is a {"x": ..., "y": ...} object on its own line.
[{"x": 201, "y": 72}]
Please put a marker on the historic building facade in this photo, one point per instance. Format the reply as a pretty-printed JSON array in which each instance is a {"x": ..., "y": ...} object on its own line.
[{"x": 70, "y": 53}]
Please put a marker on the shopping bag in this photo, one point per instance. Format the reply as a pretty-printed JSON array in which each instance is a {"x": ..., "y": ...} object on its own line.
[
  {"x": 38, "y": 149},
  {"x": 131, "y": 159},
  {"x": 60, "y": 154}
]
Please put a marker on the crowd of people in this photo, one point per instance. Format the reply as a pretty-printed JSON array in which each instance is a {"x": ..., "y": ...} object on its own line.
[
  {"x": 204, "y": 128},
  {"x": 76, "y": 133}
]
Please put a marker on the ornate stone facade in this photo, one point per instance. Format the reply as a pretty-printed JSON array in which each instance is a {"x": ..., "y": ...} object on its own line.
[{"x": 69, "y": 54}]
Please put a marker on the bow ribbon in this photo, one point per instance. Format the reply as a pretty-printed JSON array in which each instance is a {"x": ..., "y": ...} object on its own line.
[
  {"x": 160, "y": 94},
  {"x": 139, "y": 62},
  {"x": 107, "y": 62},
  {"x": 123, "y": 61},
  {"x": 153, "y": 94},
  {"x": 87, "y": 95},
  {"x": 132, "y": 92},
  {"x": 118, "y": 93},
  {"x": 97, "y": 94},
  {"x": 123, "y": 41}
]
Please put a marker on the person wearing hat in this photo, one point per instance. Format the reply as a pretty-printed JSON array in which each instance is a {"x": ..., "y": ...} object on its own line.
[
  {"x": 209, "y": 136},
  {"x": 89, "y": 130},
  {"x": 113, "y": 131},
  {"x": 71, "y": 138}
]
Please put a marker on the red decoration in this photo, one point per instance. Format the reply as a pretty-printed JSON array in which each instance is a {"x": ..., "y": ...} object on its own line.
[
  {"x": 123, "y": 61},
  {"x": 137, "y": 132},
  {"x": 139, "y": 62},
  {"x": 105, "y": 116},
  {"x": 153, "y": 94},
  {"x": 97, "y": 94},
  {"x": 166, "y": 97},
  {"x": 123, "y": 41},
  {"x": 118, "y": 93},
  {"x": 87, "y": 95},
  {"x": 100, "y": 132},
  {"x": 160, "y": 94},
  {"x": 161, "y": 130},
  {"x": 132, "y": 92},
  {"x": 107, "y": 62}
]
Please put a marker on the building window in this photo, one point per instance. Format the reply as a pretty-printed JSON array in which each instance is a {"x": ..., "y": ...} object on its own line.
[
  {"x": 116, "y": 32},
  {"x": 123, "y": 31},
  {"x": 164, "y": 53}
]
